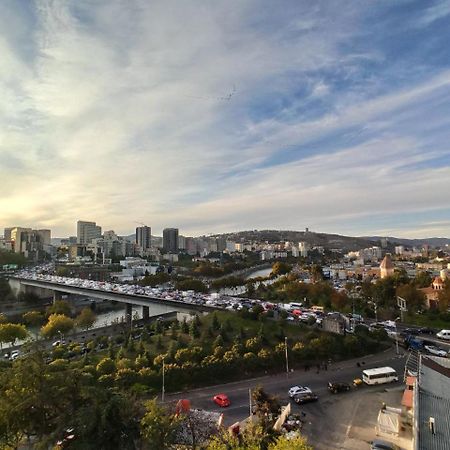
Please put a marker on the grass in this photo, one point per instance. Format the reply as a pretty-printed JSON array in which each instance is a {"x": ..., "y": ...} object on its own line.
[{"x": 428, "y": 320}]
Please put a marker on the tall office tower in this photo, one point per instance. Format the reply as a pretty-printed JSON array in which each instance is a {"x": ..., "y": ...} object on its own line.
[
  {"x": 86, "y": 231},
  {"x": 170, "y": 240},
  {"x": 143, "y": 237},
  {"x": 46, "y": 236}
]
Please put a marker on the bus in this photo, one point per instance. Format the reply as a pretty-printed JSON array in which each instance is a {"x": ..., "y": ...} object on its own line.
[{"x": 379, "y": 375}]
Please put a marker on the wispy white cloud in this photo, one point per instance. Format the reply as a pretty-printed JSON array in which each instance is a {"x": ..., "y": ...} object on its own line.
[{"x": 116, "y": 114}]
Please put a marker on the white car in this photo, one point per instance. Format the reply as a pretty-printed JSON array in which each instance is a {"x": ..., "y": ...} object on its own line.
[
  {"x": 443, "y": 334},
  {"x": 435, "y": 350},
  {"x": 294, "y": 390},
  {"x": 14, "y": 355}
]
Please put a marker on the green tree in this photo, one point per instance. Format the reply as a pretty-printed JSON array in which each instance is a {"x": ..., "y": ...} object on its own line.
[
  {"x": 10, "y": 332},
  {"x": 86, "y": 319},
  {"x": 57, "y": 323},
  {"x": 215, "y": 321},
  {"x": 280, "y": 268},
  {"x": 59, "y": 307},
  {"x": 191, "y": 284},
  {"x": 422, "y": 279},
  {"x": 106, "y": 366},
  {"x": 158, "y": 426},
  {"x": 193, "y": 329},
  {"x": 184, "y": 326}
]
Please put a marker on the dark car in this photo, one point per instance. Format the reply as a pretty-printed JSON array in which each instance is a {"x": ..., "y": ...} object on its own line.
[
  {"x": 305, "y": 397},
  {"x": 426, "y": 330},
  {"x": 379, "y": 444},
  {"x": 411, "y": 331},
  {"x": 335, "y": 387}
]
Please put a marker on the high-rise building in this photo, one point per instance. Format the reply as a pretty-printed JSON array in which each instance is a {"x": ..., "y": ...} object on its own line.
[
  {"x": 143, "y": 237},
  {"x": 170, "y": 240},
  {"x": 86, "y": 231}
]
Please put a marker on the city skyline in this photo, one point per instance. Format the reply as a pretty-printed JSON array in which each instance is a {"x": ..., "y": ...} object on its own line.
[{"x": 226, "y": 117}]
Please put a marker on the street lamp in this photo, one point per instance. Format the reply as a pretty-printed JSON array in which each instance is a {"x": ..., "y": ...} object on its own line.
[
  {"x": 396, "y": 336},
  {"x": 287, "y": 360}
]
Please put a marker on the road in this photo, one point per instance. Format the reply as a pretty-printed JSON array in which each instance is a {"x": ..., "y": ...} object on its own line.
[{"x": 238, "y": 392}]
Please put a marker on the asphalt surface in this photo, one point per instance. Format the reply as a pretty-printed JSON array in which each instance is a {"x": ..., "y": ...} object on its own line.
[{"x": 278, "y": 385}]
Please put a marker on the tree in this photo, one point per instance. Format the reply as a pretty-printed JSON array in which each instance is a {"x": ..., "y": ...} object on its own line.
[
  {"x": 215, "y": 321},
  {"x": 158, "y": 426},
  {"x": 191, "y": 284},
  {"x": 86, "y": 318},
  {"x": 59, "y": 307},
  {"x": 280, "y": 268},
  {"x": 184, "y": 326},
  {"x": 293, "y": 443},
  {"x": 193, "y": 329},
  {"x": 106, "y": 366},
  {"x": 33, "y": 318},
  {"x": 415, "y": 299},
  {"x": 422, "y": 279},
  {"x": 57, "y": 323},
  {"x": 10, "y": 332}
]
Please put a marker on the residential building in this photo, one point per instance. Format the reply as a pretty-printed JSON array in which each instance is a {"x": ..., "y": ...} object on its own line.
[
  {"x": 303, "y": 249},
  {"x": 87, "y": 231},
  {"x": 170, "y": 240}
]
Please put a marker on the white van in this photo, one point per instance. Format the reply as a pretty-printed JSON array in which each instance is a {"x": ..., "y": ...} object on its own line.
[
  {"x": 444, "y": 334},
  {"x": 380, "y": 375}
]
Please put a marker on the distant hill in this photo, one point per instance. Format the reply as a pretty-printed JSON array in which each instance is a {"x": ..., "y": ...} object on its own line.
[
  {"x": 330, "y": 241},
  {"x": 432, "y": 242}
]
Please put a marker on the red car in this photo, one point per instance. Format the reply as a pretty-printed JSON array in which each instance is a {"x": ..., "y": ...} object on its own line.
[{"x": 221, "y": 400}]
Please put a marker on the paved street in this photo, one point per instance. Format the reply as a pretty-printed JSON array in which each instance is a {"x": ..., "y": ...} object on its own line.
[{"x": 278, "y": 385}]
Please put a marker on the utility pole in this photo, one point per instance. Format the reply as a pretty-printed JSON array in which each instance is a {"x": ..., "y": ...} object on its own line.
[
  {"x": 287, "y": 359},
  {"x": 250, "y": 402},
  {"x": 163, "y": 387}
]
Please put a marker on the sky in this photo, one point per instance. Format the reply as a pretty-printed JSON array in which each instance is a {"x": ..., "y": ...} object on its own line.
[{"x": 228, "y": 115}]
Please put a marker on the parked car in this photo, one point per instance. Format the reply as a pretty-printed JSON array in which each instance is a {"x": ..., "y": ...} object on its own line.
[
  {"x": 58, "y": 343},
  {"x": 335, "y": 387},
  {"x": 379, "y": 444},
  {"x": 222, "y": 400},
  {"x": 412, "y": 331},
  {"x": 444, "y": 334},
  {"x": 435, "y": 350},
  {"x": 14, "y": 355},
  {"x": 295, "y": 390},
  {"x": 426, "y": 330},
  {"x": 305, "y": 397}
]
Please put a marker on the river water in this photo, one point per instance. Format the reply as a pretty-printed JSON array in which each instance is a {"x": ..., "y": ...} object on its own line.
[{"x": 118, "y": 315}]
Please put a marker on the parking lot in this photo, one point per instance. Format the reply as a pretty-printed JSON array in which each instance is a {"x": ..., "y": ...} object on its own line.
[{"x": 347, "y": 421}]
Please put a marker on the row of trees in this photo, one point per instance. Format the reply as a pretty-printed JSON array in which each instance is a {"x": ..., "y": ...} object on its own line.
[{"x": 54, "y": 322}]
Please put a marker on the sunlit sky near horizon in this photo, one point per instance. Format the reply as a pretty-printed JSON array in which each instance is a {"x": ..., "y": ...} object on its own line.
[{"x": 227, "y": 115}]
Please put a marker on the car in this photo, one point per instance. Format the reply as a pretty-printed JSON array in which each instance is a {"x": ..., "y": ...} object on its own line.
[
  {"x": 444, "y": 334},
  {"x": 295, "y": 390},
  {"x": 335, "y": 387},
  {"x": 14, "y": 355},
  {"x": 435, "y": 350},
  {"x": 426, "y": 330},
  {"x": 58, "y": 343},
  {"x": 305, "y": 397},
  {"x": 412, "y": 331},
  {"x": 221, "y": 400},
  {"x": 380, "y": 444}
]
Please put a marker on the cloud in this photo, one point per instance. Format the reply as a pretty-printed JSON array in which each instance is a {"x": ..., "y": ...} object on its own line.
[{"x": 115, "y": 113}]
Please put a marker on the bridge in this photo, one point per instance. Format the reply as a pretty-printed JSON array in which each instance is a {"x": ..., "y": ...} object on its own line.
[{"x": 47, "y": 288}]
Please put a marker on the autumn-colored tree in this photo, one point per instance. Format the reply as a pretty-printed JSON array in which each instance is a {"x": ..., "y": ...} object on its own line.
[{"x": 57, "y": 323}]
